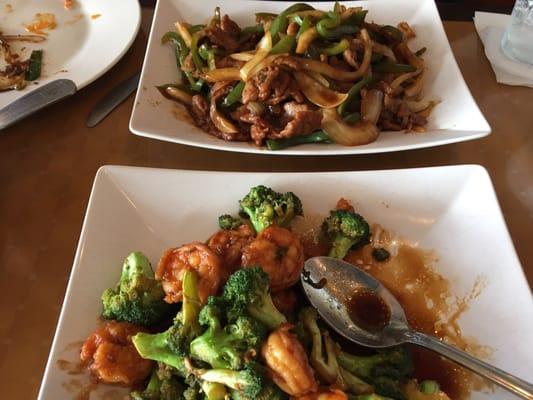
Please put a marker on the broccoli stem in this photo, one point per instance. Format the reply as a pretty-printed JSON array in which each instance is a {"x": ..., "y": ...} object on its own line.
[
  {"x": 267, "y": 313},
  {"x": 155, "y": 347},
  {"x": 340, "y": 247},
  {"x": 191, "y": 302}
]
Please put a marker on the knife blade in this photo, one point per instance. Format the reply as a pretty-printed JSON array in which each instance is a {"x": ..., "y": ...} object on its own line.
[
  {"x": 36, "y": 100},
  {"x": 112, "y": 100}
]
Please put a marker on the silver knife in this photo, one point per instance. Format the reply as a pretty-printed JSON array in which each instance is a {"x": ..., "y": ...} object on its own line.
[
  {"x": 112, "y": 100},
  {"x": 36, "y": 100}
]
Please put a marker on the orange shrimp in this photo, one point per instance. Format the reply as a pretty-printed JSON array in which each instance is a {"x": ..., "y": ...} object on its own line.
[
  {"x": 287, "y": 362},
  {"x": 195, "y": 257},
  {"x": 113, "y": 357},
  {"x": 280, "y": 253},
  {"x": 229, "y": 245}
]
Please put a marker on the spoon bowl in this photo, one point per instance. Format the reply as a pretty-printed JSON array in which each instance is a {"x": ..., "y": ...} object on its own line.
[
  {"x": 340, "y": 280},
  {"x": 330, "y": 283}
]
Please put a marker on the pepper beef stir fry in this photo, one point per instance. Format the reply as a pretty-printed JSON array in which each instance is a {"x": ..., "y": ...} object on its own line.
[
  {"x": 301, "y": 76},
  {"x": 225, "y": 319}
]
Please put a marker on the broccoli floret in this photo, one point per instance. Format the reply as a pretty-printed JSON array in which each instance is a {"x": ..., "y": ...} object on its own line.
[
  {"x": 225, "y": 347},
  {"x": 163, "y": 385},
  {"x": 270, "y": 392},
  {"x": 249, "y": 381},
  {"x": 214, "y": 391},
  {"x": 172, "y": 346},
  {"x": 138, "y": 297},
  {"x": 326, "y": 364},
  {"x": 265, "y": 207},
  {"x": 228, "y": 222},
  {"x": 247, "y": 289},
  {"x": 386, "y": 370},
  {"x": 345, "y": 229}
]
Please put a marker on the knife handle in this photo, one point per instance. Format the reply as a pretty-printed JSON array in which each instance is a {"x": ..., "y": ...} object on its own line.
[{"x": 36, "y": 100}]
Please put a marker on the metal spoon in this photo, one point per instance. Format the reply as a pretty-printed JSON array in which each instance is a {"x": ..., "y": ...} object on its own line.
[{"x": 329, "y": 284}]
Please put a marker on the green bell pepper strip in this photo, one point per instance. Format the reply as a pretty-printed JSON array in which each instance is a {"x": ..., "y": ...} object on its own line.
[
  {"x": 331, "y": 27},
  {"x": 352, "y": 94},
  {"x": 34, "y": 67},
  {"x": 306, "y": 24},
  {"x": 352, "y": 118},
  {"x": 325, "y": 25},
  {"x": 316, "y": 137},
  {"x": 285, "y": 45},
  {"x": 208, "y": 54},
  {"x": 335, "y": 48},
  {"x": 182, "y": 51},
  {"x": 280, "y": 23},
  {"x": 299, "y": 20},
  {"x": 356, "y": 18},
  {"x": 195, "y": 56},
  {"x": 196, "y": 28},
  {"x": 389, "y": 67},
  {"x": 391, "y": 34},
  {"x": 234, "y": 96}
]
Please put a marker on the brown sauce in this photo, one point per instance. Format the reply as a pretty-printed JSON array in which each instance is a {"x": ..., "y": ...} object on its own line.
[
  {"x": 368, "y": 310},
  {"x": 72, "y": 368},
  {"x": 429, "y": 305}
]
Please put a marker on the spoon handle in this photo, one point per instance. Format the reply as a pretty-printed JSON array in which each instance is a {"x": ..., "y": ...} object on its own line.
[{"x": 515, "y": 385}]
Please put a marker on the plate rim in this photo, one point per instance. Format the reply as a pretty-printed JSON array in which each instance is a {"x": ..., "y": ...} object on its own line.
[{"x": 480, "y": 132}]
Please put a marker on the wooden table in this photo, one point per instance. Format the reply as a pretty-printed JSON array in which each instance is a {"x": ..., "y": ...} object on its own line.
[{"x": 48, "y": 163}]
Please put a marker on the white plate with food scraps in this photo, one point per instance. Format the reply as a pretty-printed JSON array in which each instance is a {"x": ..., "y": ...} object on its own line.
[
  {"x": 457, "y": 118},
  {"x": 154, "y": 209},
  {"x": 87, "y": 40}
]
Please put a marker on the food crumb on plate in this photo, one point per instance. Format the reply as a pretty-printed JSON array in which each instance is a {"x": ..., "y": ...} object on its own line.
[
  {"x": 68, "y": 4},
  {"x": 8, "y": 8},
  {"x": 42, "y": 21},
  {"x": 96, "y": 16}
]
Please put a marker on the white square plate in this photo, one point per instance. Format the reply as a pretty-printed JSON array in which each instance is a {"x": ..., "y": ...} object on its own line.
[
  {"x": 154, "y": 209},
  {"x": 456, "y": 118},
  {"x": 79, "y": 48}
]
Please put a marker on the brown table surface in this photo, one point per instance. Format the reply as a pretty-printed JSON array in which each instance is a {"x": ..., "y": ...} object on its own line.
[{"x": 48, "y": 163}]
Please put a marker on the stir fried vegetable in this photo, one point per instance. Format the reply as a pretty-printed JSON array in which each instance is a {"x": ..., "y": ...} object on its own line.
[{"x": 273, "y": 82}]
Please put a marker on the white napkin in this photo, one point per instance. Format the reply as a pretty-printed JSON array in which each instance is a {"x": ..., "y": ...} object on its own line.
[{"x": 490, "y": 28}]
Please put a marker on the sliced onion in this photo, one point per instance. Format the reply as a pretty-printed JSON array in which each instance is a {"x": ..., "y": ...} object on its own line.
[
  {"x": 244, "y": 56},
  {"x": 396, "y": 83},
  {"x": 371, "y": 106},
  {"x": 426, "y": 111},
  {"x": 337, "y": 74},
  {"x": 416, "y": 87},
  {"x": 220, "y": 122},
  {"x": 178, "y": 95},
  {"x": 183, "y": 30},
  {"x": 385, "y": 50},
  {"x": 317, "y": 93},
  {"x": 305, "y": 40},
  {"x": 319, "y": 78},
  {"x": 263, "y": 48},
  {"x": 263, "y": 64},
  {"x": 255, "y": 107},
  {"x": 362, "y": 132},
  {"x": 222, "y": 74}
]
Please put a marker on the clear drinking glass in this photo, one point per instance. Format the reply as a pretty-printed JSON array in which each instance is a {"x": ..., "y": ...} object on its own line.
[{"x": 517, "y": 41}]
